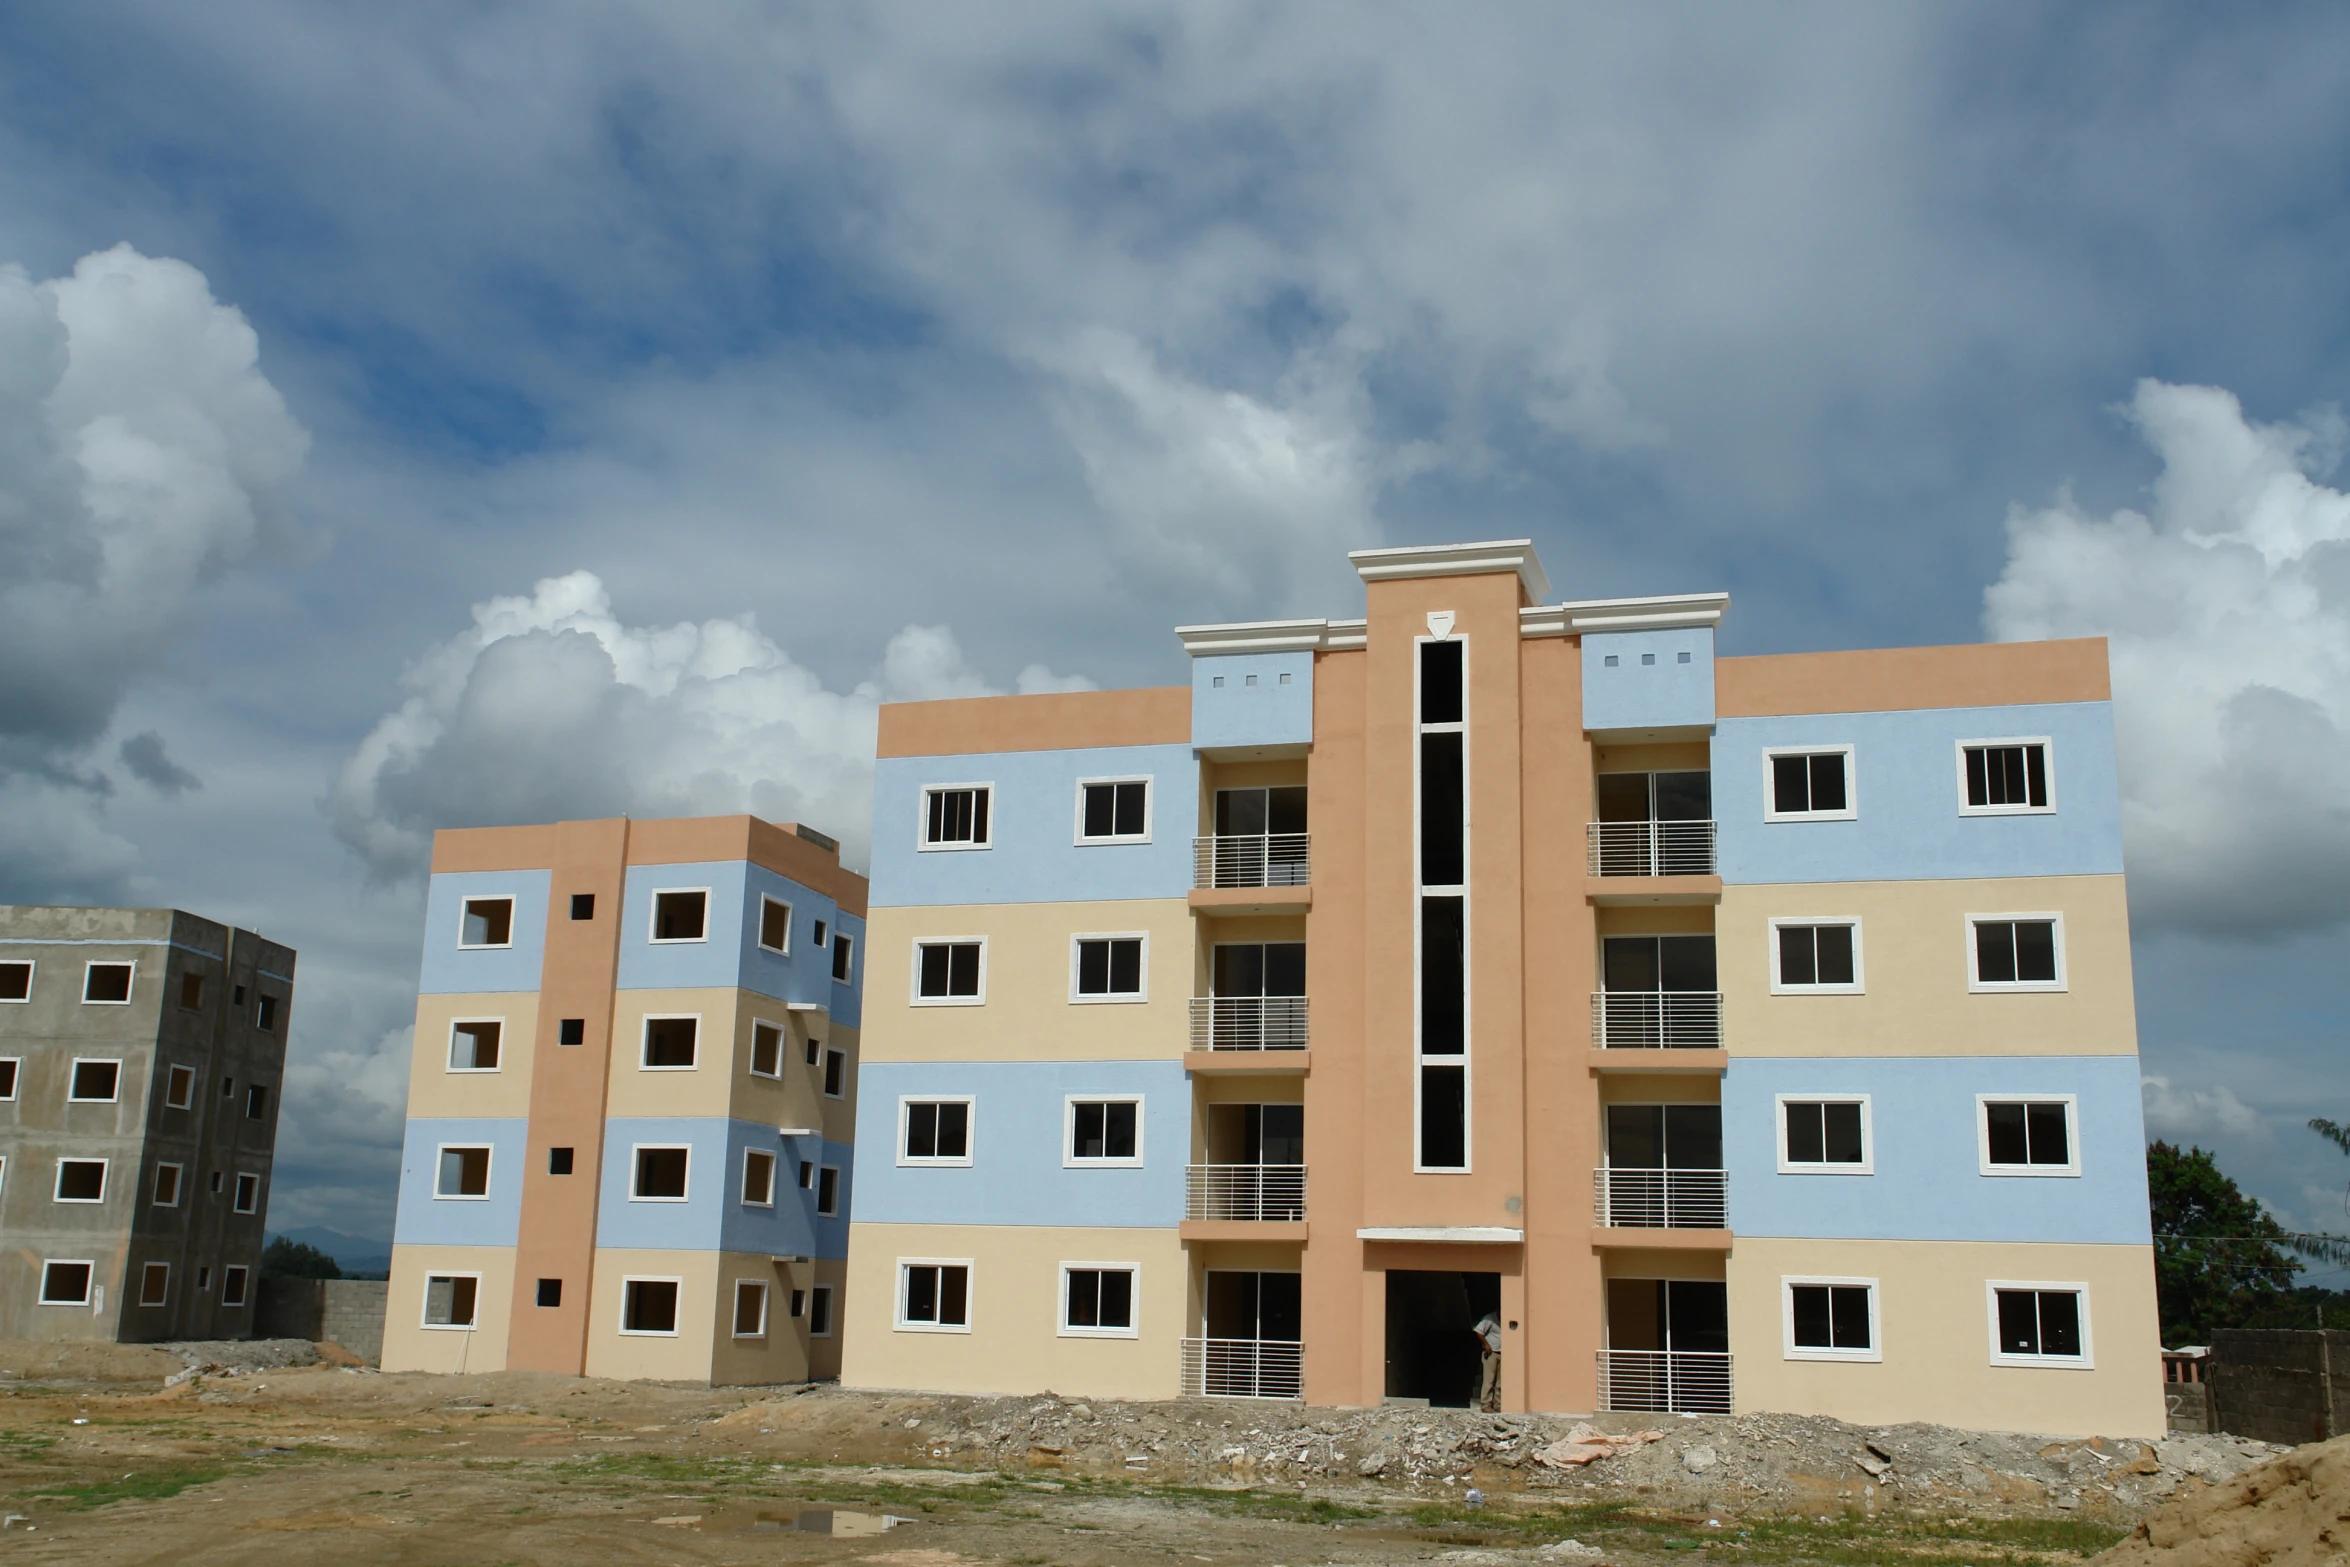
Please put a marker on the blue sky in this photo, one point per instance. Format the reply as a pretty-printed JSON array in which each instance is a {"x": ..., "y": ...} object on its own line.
[{"x": 859, "y": 352}]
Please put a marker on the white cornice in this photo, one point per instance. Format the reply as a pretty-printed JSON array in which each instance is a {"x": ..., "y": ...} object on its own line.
[
  {"x": 1660, "y": 613},
  {"x": 1271, "y": 636},
  {"x": 1456, "y": 1234},
  {"x": 1456, "y": 560},
  {"x": 1345, "y": 634}
]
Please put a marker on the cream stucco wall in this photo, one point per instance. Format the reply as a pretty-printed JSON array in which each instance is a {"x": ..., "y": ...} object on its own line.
[
  {"x": 434, "y": 1090},
  {"x": 410, "y": 1346}
]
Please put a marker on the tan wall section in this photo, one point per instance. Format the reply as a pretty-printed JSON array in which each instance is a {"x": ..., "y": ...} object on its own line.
[
  {"x": 798, "y": 1099},
  {"x": 786, "y": 1353},
  {"x": 682, "y": 1357},
  {"x": 1879, "y": 680},
  {"x": 411, "y": 1346},
  {"x": 1935, "y": 1320},
  {"x": 1914, "y": 965},
  {"x": 1015, "y": 1345},
  {"x": 434, "y": 1090},
  {"x": 1059, "y": 721},
  {"x": 1028, "y": 1015}
]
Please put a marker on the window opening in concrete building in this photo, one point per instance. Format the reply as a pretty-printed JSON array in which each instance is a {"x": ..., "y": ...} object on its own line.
[
  {"x": 550, "y": 1293},
  {"x": 81, "y": 1180},
  {"x": 473, "y": 1044},
  {"x": 750, "y": 1309},
  {"x": 670, "y": 1043},
  {"x": 766, "y": 1050},
  {"x": 97, "y": 1082},
  {"x": 449, "y": 1299},
  {"x": 1097, "y": 1300},
  {"x": 236, "y": 996},
  {"x": 934, "y": 1295},
  {"x": 1655, "y": 824},
  {"x": 836, "y": 1074},
  {"x": 65, "y": 1283},
  {"x": 583, "y": 905},
  {"x": 248, "y": 1193},
  {"x": 758, "y": 1178},
  {"x": 107, "y": 984},
  {"x": 814, "y": 1049},
  {"x": 1824, "y": 1134},
  {"x": 936, "y": 1131},
  {"x": 191, "y": 991},
  {"x": 799, "y": 1304},
  {"x": 774, "y": 924},
  {"x": 228, "y": 1088},
  {"x": 1443, "y": 1042},
  {"x": 16, "y": 981},
  {"x": 843, "y": 958},
  {"x": 464, "y": 1172},
  {"x": 1114, "y": 811},
  {"x": 955, "y": 817},
  {"x": 8, "y": 1070},
  {"x": 820, "y": 1311},
  {"x": 203, "y": 1278},
  {"x": 155, "y": 1284},
  {"x": 167, "y": 1185},
  {"x": 571, "y": 1031},
  {"x": 660, "y": 1173},
  {"x": 265, "y": 1013},
  {"x": 233, "y": 1279},
  {"x": 1432, "y": 1347},
  {"x": 1105, "y": 1131},
  {"x": 1659, "y": 991},
  {"x": 1256, "y": 1169},
  {"x": 2005, "y": 777},
  {"x": 1814, "y": 784},
  {"x": 256, "y": 1102},
  {"x": 1832, "y": 1319},
  {"x": 486, "y": 922},
  {"x": 2017, "y": 954},
  {"x": 949, "y": 971},
  {"x": 179, "y": 1088},
  {"x": 1108, "y": 968},
  {"x": 2029, "y": 1135},
  {"x": 681, "y": 914},
  {"x": 828, "y": 1191},
  {"x": 1817, "y": 955},
  {"x": 2041, "y": 1324},
  {"x": 559, "y": 1161},
  {"x": 216, "y": 1181},
  {"x": 807, "y": 1175}
]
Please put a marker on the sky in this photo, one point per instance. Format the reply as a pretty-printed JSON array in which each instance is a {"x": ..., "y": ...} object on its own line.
[{"x": 463, "y": 413}]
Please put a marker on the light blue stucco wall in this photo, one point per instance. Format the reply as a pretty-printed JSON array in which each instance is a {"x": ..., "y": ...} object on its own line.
[
  {"x": 1016, "y": 1176},
  {"x": 1263, "y": 699},
  {"x": 425, "y": 1220},
  {"x": 1928, "y": 1183},
  {"x": 731, "y": 955},
  {"x": 713, "y": 1217},
  {"x": 1632, "y": 694},
  {"x": 449, "y": 970},
  {"x": 1033, "y": 822},
  {"x": 1906, "y": 788}
]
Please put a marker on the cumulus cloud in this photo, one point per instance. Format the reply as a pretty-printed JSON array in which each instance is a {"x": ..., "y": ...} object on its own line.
[
  {"x": 2227, "y": 601},
  {"x": 2186, "y": 1115},
  {"x": 550, "y": 708}
]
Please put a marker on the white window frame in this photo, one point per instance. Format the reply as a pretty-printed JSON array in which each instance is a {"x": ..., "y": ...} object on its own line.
[
  {"x": 823, "y": 1170},
  {"x": 79, "y": 1062},
  {"x": 751, "y": 1056},
  {"x": 759, "y": 932},
  {"x": 30, "y": 966},
  {"x": 914, "y": 980},
  {"x": 1149, "y": 809},
  {"x": 2072, "y": 1136},
  {"x": 452, "y": 1056},
  {"x": 1132, "y": 1330},
  {"x": 1976, "y": 985},
  {"x": 1868, "y": 1134},
  {"x": 897, "y": 1308},
  {"x": 841, "y": 938},
  {"x": 424, "y": 1303},
  {"x": 130, "y": 963},
  {"x": 243, "y": 1276},
  {"x": 2086, "y": 1360},
  {"x": 970, "y": 1104},
  {"x": 644, "y": 1041},
  {"x": 105, "y": 1179},
  {"x": 146, "y": 1268},
  {"x": 1851, "y": 811},
  {"x": 637, "y": 1149},
  {"x": 1790, "y": 1350},
  {"x": 1110, "y": 998},
  {"x": 489, "y": 1173},
  {"x": 774, "y": 1168},
  {"x": 175, "y": 1074},
  {"x": 922, "y": 841},
  {"x": 1422, "y": 891},
  {"x": 42, "y": 1299},
  {"x": 1069, "y": 1158},
  {"x": 1860, "y": 976},
  {"x": 735, "y": 1308},
  {"x": 2047, "y": 765},
  {"x": 179, "y": 1184},
  {"x": 237, "y": 1190},
  {"x": 831, "y": 1317},
  {"x": 15, "y": 1064},
  {"x": 513, "y": 909},
  {"x": 674, "y": 1331},
  {"x": 653, "y": 917}
]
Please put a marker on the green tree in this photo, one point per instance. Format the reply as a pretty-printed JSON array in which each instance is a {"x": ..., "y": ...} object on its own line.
[
  {"x": 2219, "y": 1259},
  {"x": 285, "y": 1259}
]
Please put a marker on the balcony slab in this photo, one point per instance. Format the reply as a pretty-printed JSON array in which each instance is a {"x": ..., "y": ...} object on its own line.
[
  {"x": 1251, "y": 1063},
  {"x": 1707, "y": 1063},
  {"x": 1278, "y": 1231},
  {"x": 1237, "y": 902},
  {"x": 1635, "y": 891},
  {"x": 1625, "y": 1237}
]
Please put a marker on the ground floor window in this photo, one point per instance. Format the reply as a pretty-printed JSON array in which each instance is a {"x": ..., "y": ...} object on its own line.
[
  {"x": 750, "y": 1309},
  {"x": 232, "y": 1284},
  {"x": 935, "y": 1296},
  {"x": 1832, "y": 1319},
  {"x": 65, "y": 1283},
  {"x": 449, "y": 1299},
  {"x": 649, "y": 1306},
  {"x": 2040, "y": 1324},
  {"x": 820, "y": 1311},
  {"x": 154, "y": 1283},
  {"x": 1097, "y": 1300}
]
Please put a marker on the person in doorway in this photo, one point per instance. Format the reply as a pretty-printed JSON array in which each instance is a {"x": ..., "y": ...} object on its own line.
[{"x": 1489, "y": 1383}]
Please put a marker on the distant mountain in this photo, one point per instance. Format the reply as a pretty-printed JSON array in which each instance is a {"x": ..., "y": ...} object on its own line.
[{"x": 352, "y": 1253}]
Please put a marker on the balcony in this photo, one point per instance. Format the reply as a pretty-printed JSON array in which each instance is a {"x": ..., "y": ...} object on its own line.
[
  {"x": 1245, "y": 1193},
  {"x": 1265, "y": 859},
  {"x": 1651, "y": 848},
  {"x": 1660, "y": 1199},
  {"x": 1656, "y": 1019},
  {"x": 1248, "y": 1022},
  {"x": 1243, "y": 1368},
  {"x": 1683, "y": 1382}
]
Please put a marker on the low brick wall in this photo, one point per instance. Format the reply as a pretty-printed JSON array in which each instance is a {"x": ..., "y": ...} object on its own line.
[
  {"x": 349, "y": 1312},
  {"x": 2279, "y": 1384}
]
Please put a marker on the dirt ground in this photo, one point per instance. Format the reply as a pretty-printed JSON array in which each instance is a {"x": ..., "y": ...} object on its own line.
[{"x": 100, "y": 1461}]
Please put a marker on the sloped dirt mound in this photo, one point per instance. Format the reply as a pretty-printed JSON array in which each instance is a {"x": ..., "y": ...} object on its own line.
[{"x": 2292, "y": 1511}]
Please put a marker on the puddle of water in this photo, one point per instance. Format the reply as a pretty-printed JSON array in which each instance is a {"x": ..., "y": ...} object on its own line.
[{"x": 839, "y": 1522}]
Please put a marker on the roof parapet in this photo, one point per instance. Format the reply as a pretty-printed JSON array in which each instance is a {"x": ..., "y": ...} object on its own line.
[
  {"x": 1456, "y": 560},
  {"x": 1663, "y": 612}
]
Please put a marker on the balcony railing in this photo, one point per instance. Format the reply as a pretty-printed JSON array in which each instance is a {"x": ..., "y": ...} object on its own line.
[
  {"x": 1652, "y": 848},
  {"x": 1243, "y": 1368},
  {"x": 1660, "y": 1199},
  {"x": 1683, "y": 1381},
  {"x": 1275, "y": 859},
  {"x": 1654, "y": 1019},
  {"x": 1247, "y": 1193},
  {"x": 1248, "y": 1022}
]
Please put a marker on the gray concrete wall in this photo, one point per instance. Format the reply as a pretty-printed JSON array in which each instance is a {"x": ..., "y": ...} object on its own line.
[
  {"x": 348, "y": 1312},
  {"x": 2280, "y": 1385}
]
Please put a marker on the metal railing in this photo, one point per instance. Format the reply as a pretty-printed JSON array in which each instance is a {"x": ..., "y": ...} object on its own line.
[
  {"x": 1243, "y": 1368},
  {"x": 1660, "y": 1199},
  {"x": 1651, "y": 848},
  {"x": 1276, "y": 859},
  {"x": 1248, "y": 1022},
  {"x": 1656, "y": 1019},
  {"x": 1248, "y": 1193},
  {"x": 1683, "y": 1381}
]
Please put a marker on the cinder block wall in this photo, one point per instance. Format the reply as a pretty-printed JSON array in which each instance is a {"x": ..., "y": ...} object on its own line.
[
  {"x": 352, "y": 1315},
  {"x": 2280, "y": 1384}
]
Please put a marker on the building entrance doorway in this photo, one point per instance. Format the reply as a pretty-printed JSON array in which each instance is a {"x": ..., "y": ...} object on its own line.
[{"x": 1432, "y": 1349}]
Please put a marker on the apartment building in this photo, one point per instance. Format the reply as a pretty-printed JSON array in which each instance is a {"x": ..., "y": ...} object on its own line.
[
  {"x": 141, "y": 1053},
  {"x": 631, "y": 1103},
  {"x": 1740, "y": 1033}
]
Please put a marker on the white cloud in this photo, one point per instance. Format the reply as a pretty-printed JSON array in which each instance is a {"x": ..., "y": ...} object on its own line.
[
  {"x": 550, "y": 709},
  {"x": 2187, "y": 1115},
  {"x": 2227, "y": 602}
]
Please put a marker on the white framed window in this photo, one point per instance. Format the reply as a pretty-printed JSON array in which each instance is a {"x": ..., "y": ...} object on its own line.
[
  {"x": 2028, "y": 1134},
  {"x": 758, "y": 1178},
  {"x": 828, "y": 1191},
  {"x": 1826, "y": 1134},
  {"x": 680, "y": 914},
  {"x": 461, "y": 1172},
  {"x": 648, "y": 1306},
  {"x": 233, "y": 1279},
  {"x": 1101, "y": 1130},
  {"x": 1830, "y": 1319},
  {"x": 950, "y": 971},
  {"x": 2015, "y": 952},
  {"x": 774, "y": 925},
  {"x": 108, "y": 984},
  {"x": 16, "y": 980},
  {"x": 1109, "y": 967},
  {"x": 766, "y": 1049},
  {"x": 1113, "y": 810},
  {"x": 658, "y": 1171},
  {"x": 2039, "y": 1324},
  {"x": 169, "y": 1179},
  {"x": 450, "y": 1300},
  {"x": 2006, "y": 777},
  {"x": 1816, "y": 955},
  {"x": 95, "y": 1081},
  {"x": 836, "y": 1074},
  {"x": 80, "y": 1180},
  {"x": 671, "y": 1042},
  {"x": 155, "y": 1284},
  {"x": 750, "y": 1308},
  {"x": 66, "y": 1281},
  {"x": 955, "y": 816},
  {"x": 1097, "y": 1299},
  {"x": 9, "y": 1065},
  {"x": 820, "y": 1311},
  {"x": 474, "y": 1042},
  {"x": 935, "y": 1130},
  {"x": 934, "y": 1295},
  {"x": 844, "y": 958},
  {"x": 485, "y": 922},
  {"x": 248, "y": 1193},
  {"x": 1812, "y": 783},
  {"x": 179, "y": 1087}
]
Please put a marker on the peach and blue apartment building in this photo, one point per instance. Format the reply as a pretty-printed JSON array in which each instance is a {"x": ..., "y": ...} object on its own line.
[
  {"x": 631, "y": 1103},
  {"x": 1743, "y": 1033}
]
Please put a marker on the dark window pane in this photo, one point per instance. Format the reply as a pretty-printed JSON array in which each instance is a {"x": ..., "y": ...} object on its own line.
[
  {"x": 954, "y": 1131},
  {"x": 1628, "y": 963},
  {"x": 1285, "y": 968},
  {"x": 1443, "y": 976},
  {"x": 935, "y": 961},
  {"x": 1280, "y": 1308},
  {"x": 1444, "y": 1140},
  {"x": 1125, "y": 968},
  {"x": 1812, "y": 1328},
  {"x": 550, "y": 1292},
  {"x": 2035, "y": 951},
  {"x": 954, "y": 1287},
  {"x": 1798, "y": 963},
  {"x": 1806, "y": 1135},
  {"x": 1850, "y": 1307},
  {"x": 1240, "y": 813},
  {"x": 2005, "y": 1130},
  {"x": 2019, "y": 1324},
  {"x": 1827, "y": 782},
  {"x": 1085, "y": 1291},
  {"x": 1684, "y": 797},
  {"x": 1693, "y": 1137},
  {"x": 1636, "y": 1137},
  {"x": 1978, "y": 777},
  {"x": 1101, "y": 810},
  {"x": 1118, "y": 1131},
  {"x": 1841, "y": 1125},
  {"x": 2036, "y": 775},
  {"x": 669, "y": 1041},
  {"x": 1995, "y": 952},
  {"x": 1239, "y": 969},
  {"x": 1115, "y": 1292},
  {"x": 1440, "y": 811},
  {"x": 1285, "y": 808},
  {"x": 2045, "y": 1132},
  {"x": 1686, "y": 962},
  {"x": 1623, "y": 797},
  {"x": 1087, "y": 1132},
  {"x": 836, "y": 1065},
  {"x": 1093, "y": 968},
  {"x": 678, "y": 916},
  {"x": 921, "y": 1131},
  {"x": 1835, "y": 949},
  {"x": 1790, "y": 784},
  {"x": 1281, "y": 1134},
  {"x": 1133, "y": 809},
  {"x": 1440, "y": 682},
  {"x": 922, "y": 1294},
  {"x": 963, "y": 969},
  {"x": 1697, "y": 1317},
  {"x": 583, "y": 905},
  {"x": 2060, "y": 1322}
]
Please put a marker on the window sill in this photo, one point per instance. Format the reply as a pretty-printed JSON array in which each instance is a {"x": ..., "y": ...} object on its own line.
[
  {"x": 926, "y": 1327},
  {"x": 952, "y": 848},
  {"x": 2046, "y": 1362},
  {"x": 2031, "y": 1172},
  {"x": 1120, "y": 999},
  {"x": 948, "y": 1001},
  {"x": 905, "y": 1163},
  {"x": 1108, "y": 1333},
  {"x": 1848, "y": 1356},
  {"x": 659, "y": 1199},
  {"x": 1868, "y": 1168},
  {"x": 438, "y": 1197}
]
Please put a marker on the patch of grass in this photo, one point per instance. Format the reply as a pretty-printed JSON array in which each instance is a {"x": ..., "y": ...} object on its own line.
[{"x": 155, "y": 1486}]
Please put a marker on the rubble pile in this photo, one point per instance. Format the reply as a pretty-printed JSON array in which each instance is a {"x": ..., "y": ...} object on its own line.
[{"x": 2292, "y": 1511}]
